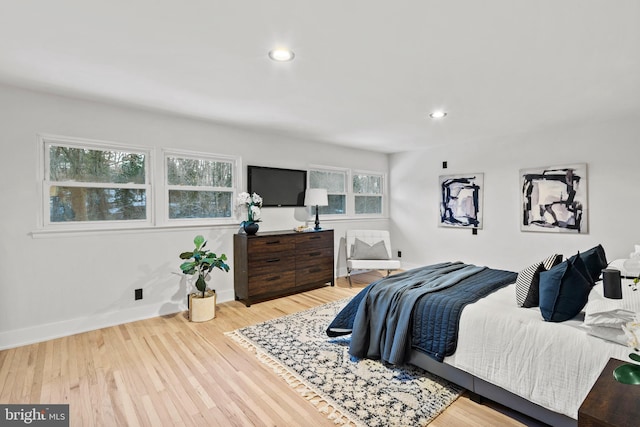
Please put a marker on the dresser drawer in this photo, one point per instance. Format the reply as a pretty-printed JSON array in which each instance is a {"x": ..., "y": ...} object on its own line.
[
  {"x": 311, "y": 257},
  {"x": 314, "y": 240},
  {"x": 320, "y": 271},
  {"x": 271, "y": 283},
  {"x": 265, "y": 247},
  {"x": 276, "y": 263}
]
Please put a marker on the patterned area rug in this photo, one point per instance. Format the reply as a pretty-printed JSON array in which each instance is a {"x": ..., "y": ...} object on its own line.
[{"x": 353, "y": 392}]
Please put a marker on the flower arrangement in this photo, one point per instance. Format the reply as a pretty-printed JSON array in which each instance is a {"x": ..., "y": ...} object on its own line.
[
  {"x": 632, "y": 331},
  {"x": 253, "y": 203},
  {"x": 630, "y": 373}
]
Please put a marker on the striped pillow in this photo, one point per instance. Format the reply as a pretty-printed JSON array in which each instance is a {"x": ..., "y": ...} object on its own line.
[{"x": 528, "y": 281}]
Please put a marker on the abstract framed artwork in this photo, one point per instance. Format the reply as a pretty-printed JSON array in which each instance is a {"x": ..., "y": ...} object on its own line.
[
  {"x": 461, "y": 200},
  {"x": 554, "y": 199}
]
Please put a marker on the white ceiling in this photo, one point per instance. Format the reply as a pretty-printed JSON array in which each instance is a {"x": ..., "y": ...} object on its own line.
[{"x": 366, "y": 72}]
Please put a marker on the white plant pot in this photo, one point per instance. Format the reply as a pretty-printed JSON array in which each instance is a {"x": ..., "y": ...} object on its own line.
[{"x": 202, "y": 309}]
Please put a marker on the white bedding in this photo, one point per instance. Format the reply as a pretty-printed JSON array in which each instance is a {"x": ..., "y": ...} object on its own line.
[
  {"x": 551, "y": 364},
  {"x": 604, "y": 317}
]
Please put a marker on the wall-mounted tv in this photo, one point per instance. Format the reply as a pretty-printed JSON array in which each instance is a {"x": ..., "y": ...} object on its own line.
[{"x": 277, "y": 187}]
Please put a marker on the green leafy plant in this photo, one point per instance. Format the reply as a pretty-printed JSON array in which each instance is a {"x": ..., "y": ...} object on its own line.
[{"x": 201, "y": 262}]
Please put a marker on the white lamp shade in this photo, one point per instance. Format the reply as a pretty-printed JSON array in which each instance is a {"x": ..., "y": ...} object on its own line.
[{"x": 316, "y": 197}]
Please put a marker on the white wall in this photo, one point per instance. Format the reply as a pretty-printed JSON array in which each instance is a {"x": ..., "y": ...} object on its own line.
[
  {"x": 57, "y": 285},
  {"x": 611, "y": 151},
  {"x": 63, "y": 284}
]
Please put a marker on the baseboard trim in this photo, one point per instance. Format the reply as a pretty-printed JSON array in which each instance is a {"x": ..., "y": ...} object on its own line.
[{"x": 49, "y": 331}]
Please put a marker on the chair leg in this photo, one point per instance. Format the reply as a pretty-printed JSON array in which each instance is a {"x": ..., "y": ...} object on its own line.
[
  {"x": 349, "y": 277},
  {"x": 388, "y": 273}
]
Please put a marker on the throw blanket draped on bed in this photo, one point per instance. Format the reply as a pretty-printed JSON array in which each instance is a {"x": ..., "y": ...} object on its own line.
[{"x": 380, "y": 317}]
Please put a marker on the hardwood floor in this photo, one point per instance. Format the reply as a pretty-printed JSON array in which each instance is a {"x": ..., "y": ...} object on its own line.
[{"x": 168, "y": 371}]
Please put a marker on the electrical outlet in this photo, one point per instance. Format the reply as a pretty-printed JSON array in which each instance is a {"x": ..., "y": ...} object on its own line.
[
  {"x": 399, "y": 254},
  {"x": 138, "y": 294},
  {"x": 444, "y": 165}
]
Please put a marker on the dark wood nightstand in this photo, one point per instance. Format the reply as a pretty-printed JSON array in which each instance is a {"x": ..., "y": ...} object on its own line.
[{"x": 610, "y": 403}]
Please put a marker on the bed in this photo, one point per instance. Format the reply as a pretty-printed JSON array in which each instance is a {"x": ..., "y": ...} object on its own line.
[{"x": 511, "y": 355}]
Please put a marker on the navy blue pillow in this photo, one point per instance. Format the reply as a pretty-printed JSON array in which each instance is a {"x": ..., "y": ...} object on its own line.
[
  {"x": 564, "y": 290},
  {"x": 594, "y": 260}
]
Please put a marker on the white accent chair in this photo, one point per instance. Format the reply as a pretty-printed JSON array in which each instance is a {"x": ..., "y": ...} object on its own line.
[{"x": 370, "y": 237}]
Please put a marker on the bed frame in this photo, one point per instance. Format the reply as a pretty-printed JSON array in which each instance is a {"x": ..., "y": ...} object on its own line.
[{"x": 490, "y": 391}]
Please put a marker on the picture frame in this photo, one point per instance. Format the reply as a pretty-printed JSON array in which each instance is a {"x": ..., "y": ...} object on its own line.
[
  {"x": 554, "y": 199},
  {"x": 461, "y": 200}
]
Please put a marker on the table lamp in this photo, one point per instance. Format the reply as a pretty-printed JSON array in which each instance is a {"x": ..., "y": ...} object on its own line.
[{"x": 316, "y": 197}]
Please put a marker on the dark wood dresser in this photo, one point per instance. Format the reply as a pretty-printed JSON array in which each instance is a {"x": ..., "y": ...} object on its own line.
[
  {"x": 610, "y": 403},
  {"x": 277, "y": 263}
]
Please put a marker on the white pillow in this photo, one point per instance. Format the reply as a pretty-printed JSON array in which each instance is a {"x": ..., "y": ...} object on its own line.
[
  {"x": 601, "y": 311},
  {"x": 629, "y": 267},
  {"x": 632, "y": 267}
]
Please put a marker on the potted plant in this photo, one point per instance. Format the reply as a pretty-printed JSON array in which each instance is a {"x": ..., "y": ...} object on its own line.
[
  {"x": 202, "y": 304},
  {"x": 253, "y": 203}
]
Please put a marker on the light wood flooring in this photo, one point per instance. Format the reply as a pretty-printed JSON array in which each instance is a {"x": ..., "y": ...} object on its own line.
[{"x": 168, "y": 371}]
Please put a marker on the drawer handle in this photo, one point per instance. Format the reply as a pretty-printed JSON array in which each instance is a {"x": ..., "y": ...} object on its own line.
[
  {"x": 273, "y": 260},
  {"x": 315, "y": 237},
  {"x": 273, "y": 242},
  {"x": 314, "y": 254},
  {"x": 271, "y": 279},
  {"x": 315, "y": 270}
]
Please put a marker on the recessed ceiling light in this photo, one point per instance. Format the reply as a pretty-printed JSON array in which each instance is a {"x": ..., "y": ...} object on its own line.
[
  {"x": 281, "y": 54},
  {"x": 439, "y": 114}
]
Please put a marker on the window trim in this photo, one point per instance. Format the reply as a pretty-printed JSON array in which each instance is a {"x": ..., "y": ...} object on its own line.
[
  {"x": 164, "y": 187},
  {"x": 157, "y": 189},
  {"x": 382, "y": 193},
  {"x": 350, "y": 195},
  {"x": 44, "y": 141},
  {"x": 318, "y": 168}
]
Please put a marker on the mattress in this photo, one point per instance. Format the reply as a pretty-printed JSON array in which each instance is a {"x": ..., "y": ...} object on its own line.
[{"x": 551, "y": 364}]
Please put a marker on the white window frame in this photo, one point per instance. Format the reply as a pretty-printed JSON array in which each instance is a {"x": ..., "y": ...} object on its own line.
[
  {"x": 347, "y": 177},
  {"x": 382, "y": 193},
  {"x": 45, "y": 141},
  {"x": 163, "y": 200}
]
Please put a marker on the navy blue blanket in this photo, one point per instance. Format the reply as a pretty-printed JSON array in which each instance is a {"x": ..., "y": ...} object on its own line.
[{"x": 417, "y": 309}]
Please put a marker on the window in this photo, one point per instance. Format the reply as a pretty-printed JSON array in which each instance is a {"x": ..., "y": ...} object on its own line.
[
  {"x": 95, "y": 184},
  {"x": 335, "y": 181},
  {"x": 367, "y": 190},
  {"x": 88, "y": 182},
  {"x": 365, "y": 195},
  {"x": 199, "y": 186}
]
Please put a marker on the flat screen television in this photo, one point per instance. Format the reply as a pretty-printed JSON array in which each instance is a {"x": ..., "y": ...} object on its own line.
[{"x": 277, "y": 187}]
